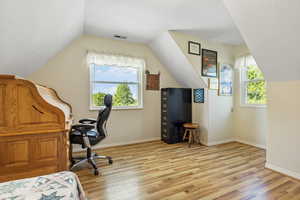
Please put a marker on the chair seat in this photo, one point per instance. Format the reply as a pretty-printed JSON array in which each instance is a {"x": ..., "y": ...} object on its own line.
[{"x": 93, "y": 135}]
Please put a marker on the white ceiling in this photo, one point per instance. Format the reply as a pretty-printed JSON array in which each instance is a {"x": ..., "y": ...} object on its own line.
[
  {"x": 33, "y": 31},
  {"x": 144, "y": 20},
  {"x": 271, "y": 29}
]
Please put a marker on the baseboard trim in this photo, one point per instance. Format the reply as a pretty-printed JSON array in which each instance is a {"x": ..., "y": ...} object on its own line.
[
  {"x": 251, "y": 144},
  {"x": 219, "y": 142},
  {"x": 283, "y": 171},
  {"x": 75, "y": 150}
]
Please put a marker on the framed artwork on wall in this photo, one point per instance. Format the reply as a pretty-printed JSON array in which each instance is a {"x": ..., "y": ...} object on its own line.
[
  {"x": 194, "y": 48},
  {"x": 199, "y": 95},
  {"x": 225, "y": 80},
  {"x": 213, "y": 83},
  {"x": 152, "y": 81},
  {"x": 209, "y": 63}
]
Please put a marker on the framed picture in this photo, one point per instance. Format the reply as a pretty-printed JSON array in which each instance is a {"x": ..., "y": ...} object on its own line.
[
  {"x": 225, "y": 80},
  {"x": 213, "y": 83},
  {"x": 194, "y": 48},
  {"x": 199, "y": 95},
  {"x": 209, "y": 63},
  {"x": 152, "y": 81}
]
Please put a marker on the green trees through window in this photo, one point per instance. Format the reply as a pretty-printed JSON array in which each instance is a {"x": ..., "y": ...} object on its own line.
[
  {"x": 122, "y": 97},
  {"x": 255, "y": 85}
]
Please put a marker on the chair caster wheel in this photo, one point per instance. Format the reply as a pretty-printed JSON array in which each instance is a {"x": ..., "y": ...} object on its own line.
[
  {"x": 110, "y": 161},
  {"x": 96, "y": 172}
]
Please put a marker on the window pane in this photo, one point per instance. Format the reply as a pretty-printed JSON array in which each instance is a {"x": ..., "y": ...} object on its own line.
[
  {"x": 115, "y": 74},
  {"x": 256, "y": 92},
  {"x": 123, "y": 94},
  {"x": 253, "y": 73}
]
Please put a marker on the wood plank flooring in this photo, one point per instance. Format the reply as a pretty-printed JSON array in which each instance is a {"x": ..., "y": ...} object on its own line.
[{"x": 155, "y": 170}]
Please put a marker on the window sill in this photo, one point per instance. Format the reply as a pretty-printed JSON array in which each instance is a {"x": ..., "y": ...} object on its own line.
[
  {"x": 253, "y": 106},
  {"x": 119, "y": 108}
]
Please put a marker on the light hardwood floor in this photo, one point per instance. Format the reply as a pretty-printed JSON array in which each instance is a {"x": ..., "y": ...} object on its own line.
[{"x": 156, "y": 170}]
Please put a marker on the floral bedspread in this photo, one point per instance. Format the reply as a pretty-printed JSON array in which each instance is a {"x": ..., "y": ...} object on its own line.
[{"x": 58, "y": 186}]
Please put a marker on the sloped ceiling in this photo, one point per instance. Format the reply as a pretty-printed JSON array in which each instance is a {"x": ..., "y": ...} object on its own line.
[
  {"x": 142, "y": 21},
  {"x": 168, "y": 52},
  {"x": 33, "y": 31},
  {"x": 271, "y": 30}
]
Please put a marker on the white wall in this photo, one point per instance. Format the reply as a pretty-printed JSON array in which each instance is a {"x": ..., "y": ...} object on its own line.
[
  {"x": 69, "y": 75},
  {"x": 214, "y": 116},
  {"x": 273, "y": 39},
  {"x": 284, "y": 120},
  {"x": 250, "y": 123}
]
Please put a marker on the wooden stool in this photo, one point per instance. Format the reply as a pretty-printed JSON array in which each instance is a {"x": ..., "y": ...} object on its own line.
[{"x": 190, "y": 132}]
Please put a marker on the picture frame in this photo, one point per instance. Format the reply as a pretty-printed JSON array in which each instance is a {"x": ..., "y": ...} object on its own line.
[
  {"x": 199, "y": 95},
  {"x": 209, "y": 63},
  {"x": 213, "y": 83},
  {"x": 152, "y": 81},
  {"x": 225, "y": 77},
  {"x": 194, "y": 48}
]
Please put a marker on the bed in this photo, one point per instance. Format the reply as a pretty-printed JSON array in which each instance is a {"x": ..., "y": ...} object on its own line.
[{"x": 59, "y": 186}]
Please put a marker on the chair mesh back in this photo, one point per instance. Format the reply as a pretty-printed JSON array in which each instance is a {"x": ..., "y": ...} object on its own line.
[{"x": 103, "y": 115}]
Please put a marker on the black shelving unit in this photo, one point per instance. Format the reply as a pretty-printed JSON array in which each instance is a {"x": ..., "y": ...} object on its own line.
[{"x": 176, "y": 109}]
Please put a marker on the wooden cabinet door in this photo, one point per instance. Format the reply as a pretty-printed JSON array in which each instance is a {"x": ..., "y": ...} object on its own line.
[{"x": 32, "y": 155}]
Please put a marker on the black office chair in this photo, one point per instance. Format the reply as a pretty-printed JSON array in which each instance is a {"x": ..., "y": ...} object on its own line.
[{"x": 89, "y": 133}]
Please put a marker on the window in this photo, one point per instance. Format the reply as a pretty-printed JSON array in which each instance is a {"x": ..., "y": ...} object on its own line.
[
  {"x": 116, "y": 75},
  {"x": 253, "y": 84}
]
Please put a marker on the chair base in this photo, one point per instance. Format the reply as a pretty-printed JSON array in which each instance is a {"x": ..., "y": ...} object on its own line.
[{"x": 90, "y": 159}]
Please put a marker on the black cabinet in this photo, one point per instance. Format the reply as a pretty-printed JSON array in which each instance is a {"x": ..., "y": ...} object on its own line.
[{"x": 176, "y": 109}]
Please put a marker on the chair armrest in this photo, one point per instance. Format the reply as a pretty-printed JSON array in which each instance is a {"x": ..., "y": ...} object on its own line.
[
  {"x": 87, "y": 121},
  {"x": 83, "y": 128}
]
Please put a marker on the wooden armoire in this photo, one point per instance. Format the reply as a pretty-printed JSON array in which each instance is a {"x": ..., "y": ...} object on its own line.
[{"x": 34, "y": 127}]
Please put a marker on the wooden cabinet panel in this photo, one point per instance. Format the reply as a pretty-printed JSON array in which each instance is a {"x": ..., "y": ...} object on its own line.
[
  {"x": 47, "y": 149},
  {"x": 17, "y": 153},
  {"x": 33, "y": 153},
  {"x": 30, "y": 112}
]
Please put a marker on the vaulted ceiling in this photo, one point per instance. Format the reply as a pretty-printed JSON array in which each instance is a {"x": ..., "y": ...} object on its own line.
[
  {"x": 143, "y": 20},
  {"x": 33, "y": 31},
  {"x": 271, "y": 29}
]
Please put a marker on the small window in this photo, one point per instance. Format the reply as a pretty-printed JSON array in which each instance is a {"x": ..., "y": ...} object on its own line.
[
  {"x": 116, "y": 75},
  {"x": 253, "y": 84}
]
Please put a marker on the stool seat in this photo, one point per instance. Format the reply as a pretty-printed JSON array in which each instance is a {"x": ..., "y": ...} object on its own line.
[
  {"x": 191, "y": 132},
  {"x": 191, "y": 125}
]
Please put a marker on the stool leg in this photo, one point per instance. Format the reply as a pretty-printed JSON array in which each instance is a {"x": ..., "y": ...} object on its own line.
[
  {"x": 193, "y": 136},
  {"x": 184, "y": 135},
  {"x": 190, "y": 137},
  {"x": 198, "y": 135}
]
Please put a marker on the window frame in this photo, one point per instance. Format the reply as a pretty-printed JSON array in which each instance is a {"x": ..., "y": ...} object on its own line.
[
  {"x": 243, "y": 86},
  {"x": 140, "y": 105}
]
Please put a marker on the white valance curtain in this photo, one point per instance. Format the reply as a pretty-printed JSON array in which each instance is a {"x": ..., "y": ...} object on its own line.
[
  {"x": 239, "y": 62},
  {"x": 249, "y": 60},
  {"x": 114, "y": 60},
  {"x": 243, "y": 61}
]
